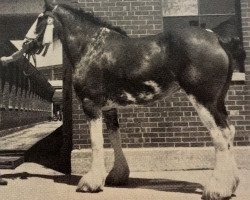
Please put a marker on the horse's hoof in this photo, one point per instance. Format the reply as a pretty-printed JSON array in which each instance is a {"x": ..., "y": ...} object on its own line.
[
  {"x": 118, "y": 176},
  {"x": 3, "y": 182},
  {"x": 218, "y": 190},
  {"x": 91, "y": 182},
  {"x": 214, "y": 196}
]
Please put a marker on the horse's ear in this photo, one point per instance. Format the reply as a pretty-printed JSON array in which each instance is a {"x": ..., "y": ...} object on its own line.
[{"x": 50, "y": 4}]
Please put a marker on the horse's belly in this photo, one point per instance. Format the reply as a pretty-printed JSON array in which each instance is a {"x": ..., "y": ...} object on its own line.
[{"x": 141, "y": 97}]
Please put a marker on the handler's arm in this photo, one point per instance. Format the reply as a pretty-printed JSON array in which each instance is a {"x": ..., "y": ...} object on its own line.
[{"x": 15, "y": 56}]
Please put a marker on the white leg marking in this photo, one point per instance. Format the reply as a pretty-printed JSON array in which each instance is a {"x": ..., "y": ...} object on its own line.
[
  {"x": 96, "y": 137},
  {"x": 120, "y": 173},
  {"x": 93, "y": 181},
  {"x": 224, "y": 180},
  {"x": 203, "y": 113}
]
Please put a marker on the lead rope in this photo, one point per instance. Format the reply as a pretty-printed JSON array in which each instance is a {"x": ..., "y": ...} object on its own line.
[{"x": 27, "y": 56}]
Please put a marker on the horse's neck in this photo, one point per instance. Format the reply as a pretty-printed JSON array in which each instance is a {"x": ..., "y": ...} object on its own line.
[
  {"x": 73, "y": 44},
  {"x": 75, "y": 37}
]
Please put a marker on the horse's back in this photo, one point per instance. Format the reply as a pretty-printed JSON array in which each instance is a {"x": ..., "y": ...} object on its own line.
[{"x": 196, "y": 43}]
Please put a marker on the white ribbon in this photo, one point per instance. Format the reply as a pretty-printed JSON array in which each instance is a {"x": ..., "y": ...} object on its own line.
[{"x": 48, "y": 34}]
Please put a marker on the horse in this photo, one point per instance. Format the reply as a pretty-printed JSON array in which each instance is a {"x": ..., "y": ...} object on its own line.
[{"x": 111, "y": 69}]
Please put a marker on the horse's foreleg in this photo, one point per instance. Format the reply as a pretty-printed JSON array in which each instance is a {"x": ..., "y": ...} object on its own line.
[
  {"x": 120, "y": 172},
  {"x": 94, "y": 180},
  {"x": 224, "y": 180}
]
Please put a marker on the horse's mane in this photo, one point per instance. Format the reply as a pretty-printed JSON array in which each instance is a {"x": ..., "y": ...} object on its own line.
[{"x": 90, "y": 17}]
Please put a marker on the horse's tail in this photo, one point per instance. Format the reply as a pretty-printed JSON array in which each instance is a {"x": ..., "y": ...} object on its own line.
[
  {"x": 221, "y": 100},
  {"x": 230, "y": 58}
]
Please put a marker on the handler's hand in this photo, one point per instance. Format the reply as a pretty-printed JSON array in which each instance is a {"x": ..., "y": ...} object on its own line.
[
  {"x": 5, "y": 60},
  {"x": 3, "y": 182}
]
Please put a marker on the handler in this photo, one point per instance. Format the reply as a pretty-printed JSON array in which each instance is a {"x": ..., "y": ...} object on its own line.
[
  {"x": 15, "y": 56},
  {"x": 2, "y": 181},
  {"x": 5, "y": 60}
]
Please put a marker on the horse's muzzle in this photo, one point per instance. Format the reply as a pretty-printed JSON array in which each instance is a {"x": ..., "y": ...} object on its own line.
[{"x": 32, "y": 46}]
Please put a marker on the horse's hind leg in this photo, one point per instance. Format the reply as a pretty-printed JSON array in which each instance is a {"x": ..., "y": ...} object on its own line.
[
  {"x": 120, "y": 172},
  {"x": 94, "y": 180},
  {"x": 224, "y": 180}
]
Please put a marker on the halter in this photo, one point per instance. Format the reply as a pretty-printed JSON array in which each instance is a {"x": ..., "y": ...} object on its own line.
[{"x": 47, "y": 32}]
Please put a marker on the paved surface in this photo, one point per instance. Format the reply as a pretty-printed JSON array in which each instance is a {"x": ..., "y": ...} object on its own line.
[
  {"x": 25, "y": 139},
  {"x": 31, "y": 181}
]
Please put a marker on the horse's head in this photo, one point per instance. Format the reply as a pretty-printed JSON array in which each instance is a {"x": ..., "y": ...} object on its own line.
[{"x": 43, "y": 32}]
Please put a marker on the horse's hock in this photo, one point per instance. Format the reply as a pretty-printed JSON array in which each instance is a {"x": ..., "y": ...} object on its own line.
[
  {"x": 167, "y": 135},
  {"x": 24, "y": 100}
]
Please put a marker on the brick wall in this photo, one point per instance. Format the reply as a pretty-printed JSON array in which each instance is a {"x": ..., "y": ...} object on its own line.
[
  {"x": 167, "y": 123},
  {"x": 245, "y": 89},
  {"x": 137, "y": 17},
  {"x": 245, "y": 14}
]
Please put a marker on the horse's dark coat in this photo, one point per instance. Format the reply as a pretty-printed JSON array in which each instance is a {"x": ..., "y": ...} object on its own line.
[{"x": 111, "y": 119}]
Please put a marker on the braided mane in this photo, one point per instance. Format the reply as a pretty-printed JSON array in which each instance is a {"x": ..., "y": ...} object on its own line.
[{"x": 82, "y": 15}]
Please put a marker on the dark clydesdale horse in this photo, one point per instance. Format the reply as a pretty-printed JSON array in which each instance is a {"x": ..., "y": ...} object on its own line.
[{"x": 110, "y": 69}]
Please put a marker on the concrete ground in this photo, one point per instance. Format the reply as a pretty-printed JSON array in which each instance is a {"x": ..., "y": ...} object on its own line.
[{"x": 31, "y": 181}]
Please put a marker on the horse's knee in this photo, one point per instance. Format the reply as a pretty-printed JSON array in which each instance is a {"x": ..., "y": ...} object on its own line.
[
  {"x": 91, "y": 110},
  {"x": 111, "y": 119}
]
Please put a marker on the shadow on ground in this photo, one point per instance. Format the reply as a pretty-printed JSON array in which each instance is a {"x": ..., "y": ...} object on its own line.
[
  {"x": 47, "y": 152},
  {"x": 166, "y": 185}
]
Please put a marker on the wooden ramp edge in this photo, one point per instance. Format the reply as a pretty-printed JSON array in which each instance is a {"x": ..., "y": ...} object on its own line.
[{"x": 14, "y": 146}]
